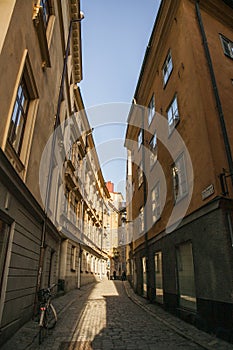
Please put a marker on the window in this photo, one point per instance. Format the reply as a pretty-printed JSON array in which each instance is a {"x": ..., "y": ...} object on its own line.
[
  {"x": 144, "y": 276},
  {"x": 186, "y": 281},
  {"x": 141, "y": 219},
  {"x": 155, "y": 203},
  {"x": 22, "y": 118},
  {"x": 227, "y": 46},
  {"x": 19, "y": 116},
  {"x": 46, "y": 11},
  {"x": 153, "y": 150},
  {"x": 173, "y": 115},
  {"x": 158, "y": 277},
  {"x": 151, "y": 110},
  {"x": 44, "y": 22},
  {"x": 73, "y": 258},
  {"x": 167, "y": 68},
  {"x": 180, "y": 185},
  {"x": 4, "y": 238},
  {"x": 140, "y": 138},
  {"x": 140, "y": 175}
]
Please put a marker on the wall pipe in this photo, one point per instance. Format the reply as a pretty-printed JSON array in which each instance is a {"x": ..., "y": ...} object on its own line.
[{"x": 215, "y": 90}]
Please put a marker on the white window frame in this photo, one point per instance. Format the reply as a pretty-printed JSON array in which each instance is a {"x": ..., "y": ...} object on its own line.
[
  {"x": 153, "y": 150},
  {"x": 140, "y": 175},
  {"x": 155, "y": 203},
  {"x": 20, "y": 160},
  {"x": 167, "y": 68},
  {"x": 158, "y": 276},
  {"x": 227, "y": 46},
  {"x": 141, "y": 219},
  {"x": 173, "y": 116},
  {"x": 139, "y": 138},
  {"x": 179, "y": 175},
  {"x": 151, "y": 109}
]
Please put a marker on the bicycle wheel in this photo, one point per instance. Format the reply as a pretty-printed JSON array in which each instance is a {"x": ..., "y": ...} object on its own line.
[
  {"x": 50, "y": 317},
  {"x": 42, "y": 333}
]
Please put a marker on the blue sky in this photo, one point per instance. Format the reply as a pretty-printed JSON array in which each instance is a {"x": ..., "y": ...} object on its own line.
[{"x": 114, "y": 39}]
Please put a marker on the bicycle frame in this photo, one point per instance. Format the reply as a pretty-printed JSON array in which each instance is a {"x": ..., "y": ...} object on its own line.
[{"x": 47, "y": 319}]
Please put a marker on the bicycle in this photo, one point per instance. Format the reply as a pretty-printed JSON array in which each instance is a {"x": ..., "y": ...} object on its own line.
[{"x": 48, "y": 315}]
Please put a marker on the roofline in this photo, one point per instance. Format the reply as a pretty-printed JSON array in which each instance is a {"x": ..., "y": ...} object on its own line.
[{"x": 148, "y": 50}]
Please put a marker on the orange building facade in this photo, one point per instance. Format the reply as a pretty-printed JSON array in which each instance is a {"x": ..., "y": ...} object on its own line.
[{"x": 180, "y": 141}]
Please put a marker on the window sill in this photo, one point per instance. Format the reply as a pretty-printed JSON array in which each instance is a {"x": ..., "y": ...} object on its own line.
[
  {"x": 170, "y": 132},
  {"x": 14, "y": 158}
]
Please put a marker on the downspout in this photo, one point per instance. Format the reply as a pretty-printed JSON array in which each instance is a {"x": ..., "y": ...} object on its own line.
[{"x": 215, "y": 90}]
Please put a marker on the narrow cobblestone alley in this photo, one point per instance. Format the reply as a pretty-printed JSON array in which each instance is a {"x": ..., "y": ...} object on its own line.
[{"x": 102, "y": 316}]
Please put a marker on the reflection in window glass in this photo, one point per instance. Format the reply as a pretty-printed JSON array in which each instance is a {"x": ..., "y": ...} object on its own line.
[
  {"x": 19, "y": 117},
  {"x": 151, "y": 110},
  {"x": 144, "y": 276},
  {"x": 173, "y": 115},
  {"x": 180, "y": 184},
  {"x": 167, "y": 68},
  {"x": 45, "y": 4},
  {"x": 186, "y": 282},
  {"x": 158, "y": 277},
  {"x": 155, "y": 203}
]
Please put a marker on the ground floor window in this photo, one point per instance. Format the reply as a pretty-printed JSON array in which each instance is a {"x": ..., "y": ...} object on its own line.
[
  {"x": 73, "y": 258},
  {"x": 4, "y": 238},
  {"x": 186, "y": 281},
  {"x": 158, "y": 277},
  {"x": 144, "y": 277}
]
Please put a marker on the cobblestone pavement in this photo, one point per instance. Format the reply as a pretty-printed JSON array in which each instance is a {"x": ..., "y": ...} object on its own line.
[{"x": 102, "y": 316}]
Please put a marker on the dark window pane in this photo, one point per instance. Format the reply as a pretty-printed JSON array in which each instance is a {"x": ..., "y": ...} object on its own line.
[
  {"x": 46, "y": 11},
  {"x": 19, "y": 117}
]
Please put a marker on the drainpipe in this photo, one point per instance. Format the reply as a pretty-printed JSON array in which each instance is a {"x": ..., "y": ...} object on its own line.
[{"x": 215, "y": 90}]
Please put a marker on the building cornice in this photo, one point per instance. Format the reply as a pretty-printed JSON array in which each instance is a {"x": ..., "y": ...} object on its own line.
[
  {"x": 221, "y": 11},
  {"x": 76, "y": 40}
]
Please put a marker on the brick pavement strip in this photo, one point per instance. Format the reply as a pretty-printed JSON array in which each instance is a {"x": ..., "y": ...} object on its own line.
[{"x": 102, "y": 317}]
